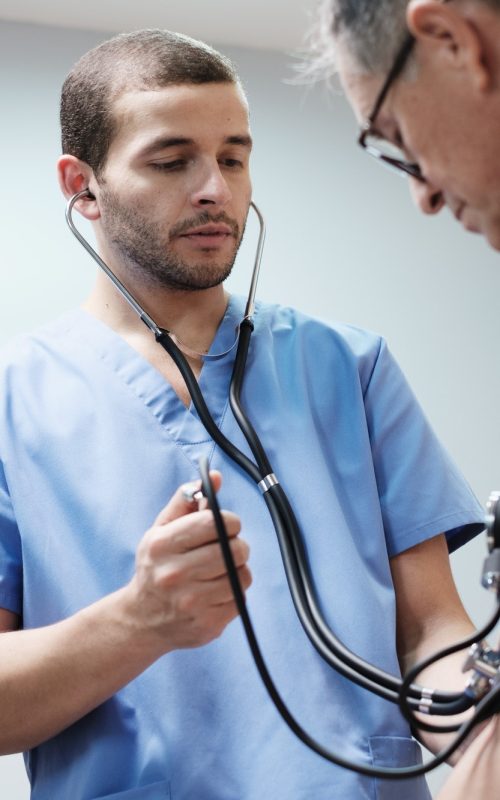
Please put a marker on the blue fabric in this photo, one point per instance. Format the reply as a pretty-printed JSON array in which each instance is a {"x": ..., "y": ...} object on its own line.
[{"x": 94, "y": 442}]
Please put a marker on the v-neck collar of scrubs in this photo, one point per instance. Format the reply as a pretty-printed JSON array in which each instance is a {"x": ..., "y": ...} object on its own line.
[{"x": 141, "y": 377}]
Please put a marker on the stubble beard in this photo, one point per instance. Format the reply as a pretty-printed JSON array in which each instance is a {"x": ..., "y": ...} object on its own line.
[{"x": 149, "y": 258}]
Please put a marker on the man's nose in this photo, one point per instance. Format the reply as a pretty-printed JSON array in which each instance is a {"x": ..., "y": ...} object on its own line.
[
  {"x": 212, "y": 188},
  {"x": 426, "y": 196}
]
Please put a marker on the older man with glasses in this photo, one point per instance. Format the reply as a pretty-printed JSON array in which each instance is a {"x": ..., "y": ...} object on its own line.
[{"x": 423, "y": 78}]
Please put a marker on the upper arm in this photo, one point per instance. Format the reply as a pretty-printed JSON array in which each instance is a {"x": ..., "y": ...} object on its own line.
[
  {"x": 8, "y": 621},
  {"x": 429, "y": 611}
]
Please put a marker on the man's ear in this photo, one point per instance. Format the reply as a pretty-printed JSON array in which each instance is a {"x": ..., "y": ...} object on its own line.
[
  {"x": 449, "y": 36},
  {"x": 75, "y": 176}
]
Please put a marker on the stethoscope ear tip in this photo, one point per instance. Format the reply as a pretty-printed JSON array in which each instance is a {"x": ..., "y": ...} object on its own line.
[{"x": 83, "y": 193}]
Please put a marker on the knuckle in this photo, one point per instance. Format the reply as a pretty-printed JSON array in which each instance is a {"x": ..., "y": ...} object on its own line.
[
  {"x": 245, "y": 549},
  {"x": 170, "y": 577},
  {"x": 179, "y": 539},
  {"x": 145, "y": 543},
  {"x": 241, "y": 551},
  {"x": 187, "y": 603},
  {"x": 245, "y": 577},
  {"x": 201, "y": 529},
  {"x": 171, "y": 538},
  {"x": 232, "y": 522},
  {"x": 157, "y": 543},
  {"x": 205, "y": 518}
]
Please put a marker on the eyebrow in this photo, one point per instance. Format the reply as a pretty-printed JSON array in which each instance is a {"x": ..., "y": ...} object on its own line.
[{"x": 165, "y": 142}]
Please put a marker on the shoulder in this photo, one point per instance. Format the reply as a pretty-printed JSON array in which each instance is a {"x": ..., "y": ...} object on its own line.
[
  {"x": 27, "y": 357},
  {"x": 330, "y": 343},
  {"x": 289, "y": 320}
]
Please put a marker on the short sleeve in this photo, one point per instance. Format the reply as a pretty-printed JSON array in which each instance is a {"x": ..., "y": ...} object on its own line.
[
  {"x": 10, "y": 552},
  {"x": 422, "y": 493}
]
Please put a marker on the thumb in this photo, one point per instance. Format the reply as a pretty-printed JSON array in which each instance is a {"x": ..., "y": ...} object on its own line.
[{"x": 181, "y": 504}]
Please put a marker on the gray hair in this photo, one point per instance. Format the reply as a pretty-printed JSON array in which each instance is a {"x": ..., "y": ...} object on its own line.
[{"x": 371, "y": 31}]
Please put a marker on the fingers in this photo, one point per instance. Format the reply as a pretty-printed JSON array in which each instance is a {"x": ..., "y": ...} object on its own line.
[
  {"x": 181, "y": 588},
  {"x": 179, "y": 505},
  {"x": 202, "y": 564},
  {"x": 212, "y": 565},
  {"x": 216, "y": 595},
  {"x": 188, "y": 533}
]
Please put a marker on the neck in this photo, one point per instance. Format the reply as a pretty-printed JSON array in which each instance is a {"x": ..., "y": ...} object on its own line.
[{"x": 192, "y": 316}]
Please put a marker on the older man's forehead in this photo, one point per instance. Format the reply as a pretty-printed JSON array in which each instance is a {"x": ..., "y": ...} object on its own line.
[
  {"x": 361, "y": 91},
  {"x": 361, "y": 88}
]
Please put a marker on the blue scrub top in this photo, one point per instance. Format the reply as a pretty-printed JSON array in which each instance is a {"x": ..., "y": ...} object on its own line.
[{"x": 94, "y": 442}]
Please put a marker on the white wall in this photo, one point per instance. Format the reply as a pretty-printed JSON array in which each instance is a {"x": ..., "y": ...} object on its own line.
[{"x": 343, "y": 242}]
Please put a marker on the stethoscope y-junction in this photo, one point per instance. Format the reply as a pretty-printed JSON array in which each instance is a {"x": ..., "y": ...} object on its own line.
[{"x": 483, "y": 687}]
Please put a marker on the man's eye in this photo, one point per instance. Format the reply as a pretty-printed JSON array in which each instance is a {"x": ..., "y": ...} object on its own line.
[
  {"x": 169, "y": 166},
  {"x": 232, "y": 163},
  {"x": 400, "y": 142}
]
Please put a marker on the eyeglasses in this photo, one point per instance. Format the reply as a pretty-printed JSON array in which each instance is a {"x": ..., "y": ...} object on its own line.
[{"x": 371, "y": 140}]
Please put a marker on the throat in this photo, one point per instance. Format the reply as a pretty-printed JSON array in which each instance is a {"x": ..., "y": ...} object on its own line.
[
  {"x": 154, "y": 353},
  {"x": 194, "y": 318}
]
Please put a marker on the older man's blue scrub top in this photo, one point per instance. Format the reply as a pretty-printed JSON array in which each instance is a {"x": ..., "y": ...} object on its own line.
[{"x": 94, "y": 442}]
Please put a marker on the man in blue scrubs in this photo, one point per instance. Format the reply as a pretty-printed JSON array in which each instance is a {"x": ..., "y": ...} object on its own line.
[
  {"x": 123, "y": 672},
  {"x": 423, "y": 78}
]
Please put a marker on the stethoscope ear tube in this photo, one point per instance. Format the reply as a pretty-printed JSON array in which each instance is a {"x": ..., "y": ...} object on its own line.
[{"x": 139, "y": 310}]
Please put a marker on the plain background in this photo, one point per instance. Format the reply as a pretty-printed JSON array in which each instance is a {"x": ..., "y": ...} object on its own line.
[{"x": 344, "y": 242}]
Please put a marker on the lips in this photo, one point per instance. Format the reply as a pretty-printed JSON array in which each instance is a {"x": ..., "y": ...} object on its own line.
[
  {"x": 209, "y": 237},
  {"x": 210, "y": 230},
  {"x": 465, "y": 221}
]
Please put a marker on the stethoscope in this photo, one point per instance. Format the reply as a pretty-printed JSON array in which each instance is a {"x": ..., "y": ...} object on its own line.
[{"x": 483, "y": 689}]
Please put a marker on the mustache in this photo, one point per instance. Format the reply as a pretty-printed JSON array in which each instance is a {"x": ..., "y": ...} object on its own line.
[{"x": 204, "y": 219}]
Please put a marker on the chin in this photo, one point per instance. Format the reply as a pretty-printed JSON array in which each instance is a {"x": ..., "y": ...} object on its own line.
[{"x": 494, "y": 242}]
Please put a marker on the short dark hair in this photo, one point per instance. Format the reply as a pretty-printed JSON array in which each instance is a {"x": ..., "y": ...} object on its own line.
[{"x": 146, "y": 59}]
